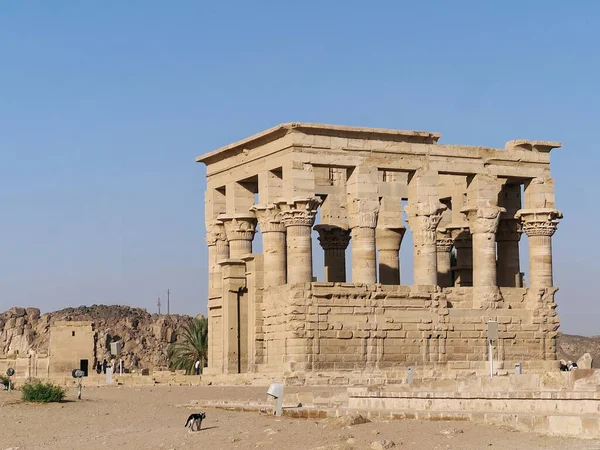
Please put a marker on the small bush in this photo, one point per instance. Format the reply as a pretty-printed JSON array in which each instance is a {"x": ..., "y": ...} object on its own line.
[
  {"x": 39, "y": 392},
  {"x": 4, "y": 381}
]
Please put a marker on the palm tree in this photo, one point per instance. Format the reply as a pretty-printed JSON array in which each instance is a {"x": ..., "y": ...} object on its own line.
[{"x": 191, "y": 346}]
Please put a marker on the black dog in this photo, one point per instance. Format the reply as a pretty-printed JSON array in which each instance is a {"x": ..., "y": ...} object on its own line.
[{"x": 195, "y": 420}]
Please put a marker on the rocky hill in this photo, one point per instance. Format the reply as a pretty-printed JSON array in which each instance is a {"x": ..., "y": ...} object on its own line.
[
  {"x": 572, "y": 347},
  {"x": 145, "y": 336}
]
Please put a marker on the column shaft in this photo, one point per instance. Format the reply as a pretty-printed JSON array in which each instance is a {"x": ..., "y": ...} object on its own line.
[
  {"x": 507, "y": 239},
  {"x": 509, "y": 268},
  {"x": 298, "y": 217},
  {"x": 239, "y": 248},
  {"x": 299, "y": 254},
  {"x": 483, "y": 223},
  {"x": 334, "y": 241},
  {"x": 540, "y": 261},
  {"x": 275, "y": 264},
  {"x": 463, "y": 271},
  {"x": 274, "y": 244},
  {"x": 335, "y": 265},
  {"x": 364, "y": 266},
  {"x": 389, "y": 267},
  {"x": 444, "y": 266},
  {"x": 388, "y": 243},
  {"x": 484, "y": 259},
  {"x": 423, "y": 218}
]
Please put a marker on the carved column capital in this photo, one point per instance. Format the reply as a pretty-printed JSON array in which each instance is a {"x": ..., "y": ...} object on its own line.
[
  {"x": 423, "y": 218},
  {"x": 239, "y": 227},
  {"x": 299, "y": 211},
  {"x": 483, "y": 219},
  {"x": 332, "y": 237},
  {"x": 389, "y": 238},
  {"x": 363, "y": 213},
  {"x": 269, "y": 218},
  {"x": 509, "y": 230},
  {"x": 215, "y": 231},
  {"x": 539, "y": 222}
]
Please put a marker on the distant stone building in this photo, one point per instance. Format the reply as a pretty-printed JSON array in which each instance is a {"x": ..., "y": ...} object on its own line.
[
  {"x": 72, "y": 346},
  {"x": 266, "y": 313}
]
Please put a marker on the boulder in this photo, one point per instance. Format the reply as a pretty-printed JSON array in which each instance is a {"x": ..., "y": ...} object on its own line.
[{"x": 585, "y": 362}]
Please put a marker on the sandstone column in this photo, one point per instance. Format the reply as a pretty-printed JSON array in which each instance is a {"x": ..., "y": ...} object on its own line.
[
  {"x": 540, "y": 225},
  {"x": 334, "y": 241},
  {"x": 274, "y": 244},
  {"x": 389, "y": 241},
  {"x": 483, "y": 223},
  {"x": 298, "y": 217},
  {"x": 444, "y": 245},
  {"x": 423, "y": 218},
  {"x": 507, "y": 238},
  {"x": 240, "y": 229},
  {"x": 363, "y": 220}
]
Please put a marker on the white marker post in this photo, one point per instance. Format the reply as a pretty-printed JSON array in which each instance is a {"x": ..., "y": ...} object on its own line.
[{"x": 492, "y": 335}]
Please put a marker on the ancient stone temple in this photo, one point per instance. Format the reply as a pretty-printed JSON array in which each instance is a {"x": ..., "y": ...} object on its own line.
[{"x": 466, "y": 207}]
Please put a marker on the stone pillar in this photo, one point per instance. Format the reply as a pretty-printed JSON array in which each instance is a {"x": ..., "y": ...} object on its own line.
[
  {"x": 240, "y": 229},
  {"x": 298, "y": 217},
  {"x": 423, "y": 219},
  {"x": 444, "y": 245},
  {"x": 234, "y": 281},
  {"x": 540, "y": 225},
  {"x": 363, "y": 221},
  {"x": 334, "y": 241},
  {"x": 274, "y": 244},
  {"x": 463, "y": 271},
  {"x": 507, "y": 239},
  {"x": 483, "y": 223},
  {"x": 218, "y": 250},
  {"x": 389, "y": 241}
]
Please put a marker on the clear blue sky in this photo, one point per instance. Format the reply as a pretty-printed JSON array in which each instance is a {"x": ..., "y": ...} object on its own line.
[{"x": 105, "y": 105}]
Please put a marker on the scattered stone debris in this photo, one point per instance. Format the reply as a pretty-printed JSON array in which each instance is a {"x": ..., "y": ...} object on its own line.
[
  {"x": 382, "y": 444},
  {"x": 345, "y": 421},
  {"x": 451, "y": 431}
]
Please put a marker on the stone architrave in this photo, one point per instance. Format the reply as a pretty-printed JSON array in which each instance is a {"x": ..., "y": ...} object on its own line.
[
  {"x": 334, "y": 241},
  {"x": 444, "y": 244},
  {"x": 240, "y": 230},
  {"x": 507, "y": 239},
  {"x": 298, "y": 217},
  {"x": 540, "y": 225},
  {"x": 362, "y": 217},
  {"x": 389, "y": 241},
  {"x": 274, "y": 244},
  {"x": 483, "y": 223},
  {"x": 423, "y": 219}
]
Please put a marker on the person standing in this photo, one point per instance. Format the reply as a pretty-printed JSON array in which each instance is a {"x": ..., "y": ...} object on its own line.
[
  {"x": 197, "y": 367},
  {"x": 104, "y": 365}
]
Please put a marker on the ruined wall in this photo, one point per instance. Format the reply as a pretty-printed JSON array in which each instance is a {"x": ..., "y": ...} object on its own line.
[{"x": 340, "y": 327}]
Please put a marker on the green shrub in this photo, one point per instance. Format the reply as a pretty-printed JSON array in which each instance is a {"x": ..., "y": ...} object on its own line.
[
  {"x": 36, "y": 391},
  {"x": 4, "y": 381}
]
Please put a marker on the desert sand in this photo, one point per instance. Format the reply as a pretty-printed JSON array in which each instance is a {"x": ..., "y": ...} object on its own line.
[{"x": 130, "y": 417}]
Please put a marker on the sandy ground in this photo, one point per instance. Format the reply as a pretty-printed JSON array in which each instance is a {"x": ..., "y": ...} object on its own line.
[{"x": 153, "y": 418}]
